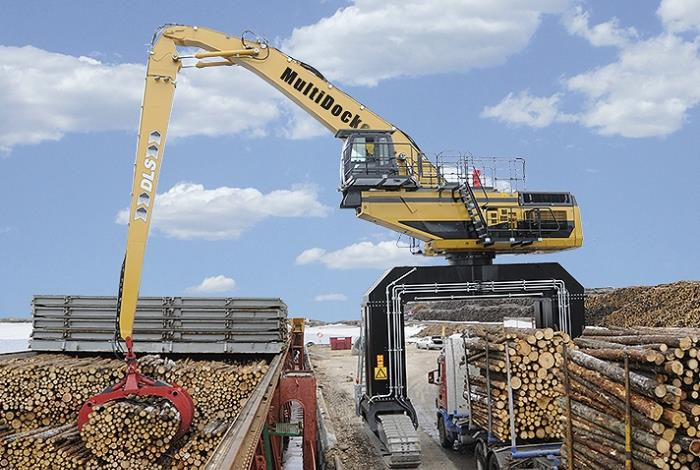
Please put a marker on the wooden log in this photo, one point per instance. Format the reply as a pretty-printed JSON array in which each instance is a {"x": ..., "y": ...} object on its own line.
[
  {"x": 618, "y": 355},
  {"x": 584, "y": 428},
  {"x": 639, "y": 382},
  {"x": 607, "y": 403},
  {"x": 640, "y": 403},
  {"x": 672, "y": 341},
  {"x": 586, "y": 413},
  {"x": 615, "y": 451}
]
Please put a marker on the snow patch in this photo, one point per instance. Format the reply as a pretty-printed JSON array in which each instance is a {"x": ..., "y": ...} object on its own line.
[
  {"x": 322, "y": 334},
  {"x": 14, "y": 337}
]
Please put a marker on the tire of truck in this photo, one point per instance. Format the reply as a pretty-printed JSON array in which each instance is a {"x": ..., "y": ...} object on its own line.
[
  {"x": 445, "y": 440},
  {"x": 493, "y": 463},
  {"x": 481, "y": 454}
]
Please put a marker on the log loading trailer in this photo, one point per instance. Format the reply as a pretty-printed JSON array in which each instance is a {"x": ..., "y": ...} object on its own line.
[{"x": 456, "y": 425}]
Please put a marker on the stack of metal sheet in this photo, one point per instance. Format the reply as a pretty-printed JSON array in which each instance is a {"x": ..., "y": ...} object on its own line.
[{"x": 200, "y": 325}]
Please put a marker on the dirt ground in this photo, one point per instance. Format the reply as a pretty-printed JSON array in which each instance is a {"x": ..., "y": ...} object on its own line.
[{"x": 335, "y": 371}]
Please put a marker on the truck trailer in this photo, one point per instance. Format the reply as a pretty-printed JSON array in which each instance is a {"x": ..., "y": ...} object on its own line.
[{"x": 455, "y": 418}]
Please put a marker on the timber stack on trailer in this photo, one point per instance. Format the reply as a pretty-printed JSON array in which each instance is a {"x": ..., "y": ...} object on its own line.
[
  {"x": 632, "y": 397},
  {"x": 235, "y": 360},
  {"x": 512, "y": 389}
]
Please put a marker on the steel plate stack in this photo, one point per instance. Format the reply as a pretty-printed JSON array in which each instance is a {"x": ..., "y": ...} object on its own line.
[{"x": 199, "y": 325}]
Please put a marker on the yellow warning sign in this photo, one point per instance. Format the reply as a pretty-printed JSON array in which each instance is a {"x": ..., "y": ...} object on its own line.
[
  {"x": 380, "y": 360},
  {"x": 380, "y": 373}
]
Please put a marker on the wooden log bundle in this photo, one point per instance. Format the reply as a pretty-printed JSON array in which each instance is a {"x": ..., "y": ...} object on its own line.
[
  {"x": 196, "y": 450},
  {"x": 132, "y": 431},
  {"x": 658, "y": 396},
  {"x": 219, "y": 391},
  {"x": 44, "y": 448},
  {"x": 40, "y": 397},
  {"x": 48, "y": 390},
  {"x": 534, "y": 357}
]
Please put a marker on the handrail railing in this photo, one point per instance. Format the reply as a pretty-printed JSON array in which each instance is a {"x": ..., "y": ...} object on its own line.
[
  {"x": 496, "y": 173},
  {"x": 393, "y": 159},
  {"x": 537, "y": 224}
]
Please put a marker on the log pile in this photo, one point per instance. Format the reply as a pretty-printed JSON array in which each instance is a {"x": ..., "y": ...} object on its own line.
[
  {"x": 658, "y": 396},
  {"x": 219, "y": 390},
  {"x": 44, "y": 448},
  {"x": 666, "y": 305},
  {"x": 129, "y": 433},
  {"x": 40, "y": 397},
  {"x": 481, "y": 310},
  {"x": 45, "y": 390},
  {"x": 534, "y": 357}
]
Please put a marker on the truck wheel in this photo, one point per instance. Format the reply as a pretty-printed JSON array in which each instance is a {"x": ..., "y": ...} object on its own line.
[
  {"x": 444, "y": 436},
  {"x": 481, "y": 455},
  {"x": 493, "y": 463}
]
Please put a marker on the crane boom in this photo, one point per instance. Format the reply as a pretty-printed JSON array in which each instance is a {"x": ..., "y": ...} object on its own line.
[{"x": 299, "y": 82}]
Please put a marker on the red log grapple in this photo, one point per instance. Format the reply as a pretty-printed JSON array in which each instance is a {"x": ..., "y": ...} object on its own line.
[{"x": 134, "y": 384}]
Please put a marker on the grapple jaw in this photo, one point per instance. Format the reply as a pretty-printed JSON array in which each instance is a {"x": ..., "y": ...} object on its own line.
[{"x": 136, "y": 384}]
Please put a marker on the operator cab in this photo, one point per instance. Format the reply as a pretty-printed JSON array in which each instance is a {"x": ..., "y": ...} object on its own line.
[{"x": 369, "y": 160}]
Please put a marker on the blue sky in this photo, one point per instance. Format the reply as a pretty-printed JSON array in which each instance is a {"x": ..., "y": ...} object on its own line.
[{"x": 599, "y": 97}]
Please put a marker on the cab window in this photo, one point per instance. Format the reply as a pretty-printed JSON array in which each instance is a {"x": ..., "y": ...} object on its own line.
[
  {"x": 381, "y": 150},
  {"x": 362, "y": 149},
  {"x": 370, "y": 148}
]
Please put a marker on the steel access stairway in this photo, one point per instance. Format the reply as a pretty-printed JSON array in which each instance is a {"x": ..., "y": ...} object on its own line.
[{"x": 477, "y": 217}]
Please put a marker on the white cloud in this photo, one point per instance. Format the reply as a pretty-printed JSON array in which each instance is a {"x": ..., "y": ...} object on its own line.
[
  {"x": 311, "y": 255},
  {"x": 331, "y": 297},
  {"x": 374, "y": 40},
  {"x": 224, "y": 100},
  {"x": 190, "y": 211},
  {"x": 608, "y": 33},
  {"x": 680, "y": 15},
  {"x": 47, "y": 95},
  {"x": 212, "y": 285},
  {"x": 362, "y": 255},
  {"x": 646, "y": 92},
  {"x": 525, "y": 109}
]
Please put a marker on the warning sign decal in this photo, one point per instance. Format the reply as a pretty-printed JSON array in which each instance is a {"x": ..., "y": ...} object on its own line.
[{"x": 380, "y": 373}]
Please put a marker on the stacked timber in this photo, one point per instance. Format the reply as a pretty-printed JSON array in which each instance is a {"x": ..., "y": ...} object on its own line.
[
  {"x": 48, "y": 390},
  {"x": 205, "y": 438},
  {"x": 44, "y": 448},
  {"x": 652, "y": 402},
  {"x": 40, "y": 397},
  {"x": 218, "y": 389},
  {"x": 534, "y": 357},
  {"x": 674, "y": 305},
  {"x": 129, "y": 433}
]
